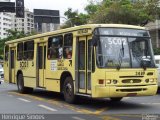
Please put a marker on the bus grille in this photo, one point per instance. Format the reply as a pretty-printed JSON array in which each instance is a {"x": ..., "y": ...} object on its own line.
[
  {"x": 132, "y": 90},
  {"x": 131, "y": 81}
]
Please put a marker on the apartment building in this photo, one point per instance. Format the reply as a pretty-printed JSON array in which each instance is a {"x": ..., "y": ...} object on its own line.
[
  {"x": 25, "y": 24},
  {"x": 5, "y": 22}
]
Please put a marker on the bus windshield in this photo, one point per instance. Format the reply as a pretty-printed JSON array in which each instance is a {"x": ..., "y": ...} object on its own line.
[{"x": 125, "y": 49}]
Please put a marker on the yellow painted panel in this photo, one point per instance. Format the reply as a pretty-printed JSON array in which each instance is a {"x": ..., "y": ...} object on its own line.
[
  {"x": 30, "y": 82},
  {"x": 6, "y": 71},
  {"x": 13, "y": 76},
  {"x": 82, "y": 90},
  {"x": 41, "y": 77},
  {"x": 53, "y": 85}
]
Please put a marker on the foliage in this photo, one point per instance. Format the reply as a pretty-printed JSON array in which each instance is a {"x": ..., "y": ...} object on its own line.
[
  {"x": 75, "y": 18},
  {"x": 115, "y": 11},
  {"x": 125, "y": 12},
  {"x": 11, "y": 36},
  {"x": 156, "y": 51}
]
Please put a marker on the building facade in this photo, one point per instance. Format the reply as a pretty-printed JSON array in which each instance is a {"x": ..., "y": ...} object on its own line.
[
  {"x": 25, "y": 24},
  {"x": 5, "y": 22},
  {"x": 46, "y": 20},
  {"x": 46, "y": 27}
]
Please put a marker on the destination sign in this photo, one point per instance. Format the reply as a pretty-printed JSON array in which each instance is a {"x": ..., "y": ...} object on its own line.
[{"x": 123, "y": 32}]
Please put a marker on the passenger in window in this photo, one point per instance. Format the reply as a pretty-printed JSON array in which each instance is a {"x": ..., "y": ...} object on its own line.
[
  {"x": 68, "y": 53},
  {"x": 60, "y": 51},
  {"x": 52, "y": 52}
]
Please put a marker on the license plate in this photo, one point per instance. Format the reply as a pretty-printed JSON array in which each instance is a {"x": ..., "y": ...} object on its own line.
[{"x": 131, "y": 94}]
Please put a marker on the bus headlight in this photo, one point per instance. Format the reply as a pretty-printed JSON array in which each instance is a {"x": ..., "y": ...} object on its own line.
[
  {"x": 101, "y": 81},
  {"x": 108, "y": 81},
  {"x": 115, "y": 81},
  {"x": 147, "y": 80},
  {"x": 151, "y": 80}
]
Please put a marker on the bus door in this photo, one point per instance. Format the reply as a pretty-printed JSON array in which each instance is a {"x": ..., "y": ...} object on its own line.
[
  {"x": 41, "y": 64},
  {"x": 84, "y": 65},
  {"x": 6, "y": 64},
  {"x": 12, "y": 65}
]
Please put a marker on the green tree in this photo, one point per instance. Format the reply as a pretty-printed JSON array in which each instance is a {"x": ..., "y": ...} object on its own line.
[
  {"x": 123, "y": 11},
  {"x": 156, "y": 51},
  {"x": 74, "y": 18},
  {"x": 11, "y": 36}
]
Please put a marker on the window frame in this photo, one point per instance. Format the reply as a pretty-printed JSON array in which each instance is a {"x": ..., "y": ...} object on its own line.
[
  {"x": 55, "y": 47},
  {"x": 68, "y": 46},
  {"x": 28, "y": 50},
  {"x": 19, "y": 59}
]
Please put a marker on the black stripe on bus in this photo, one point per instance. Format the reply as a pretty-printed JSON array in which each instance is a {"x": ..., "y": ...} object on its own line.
[
  {"x": 29, "y": 77},
  {"x": 52, "y": 78}
]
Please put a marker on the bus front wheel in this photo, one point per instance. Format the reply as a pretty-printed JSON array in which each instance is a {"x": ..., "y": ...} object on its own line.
[
  {"x": 116, "y": 99},
  {"x": 68, "y": 89},
  {"x": 21, "y": 87}
]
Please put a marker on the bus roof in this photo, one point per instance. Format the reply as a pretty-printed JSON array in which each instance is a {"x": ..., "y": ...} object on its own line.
[{"x": 91, "y": 26}]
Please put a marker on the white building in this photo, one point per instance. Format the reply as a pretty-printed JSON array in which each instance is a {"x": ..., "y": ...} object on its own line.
[
  {"x": 46, "y": 27},
  {"x": 5, "y": 22},
  {"x": 25, "y": 24}
]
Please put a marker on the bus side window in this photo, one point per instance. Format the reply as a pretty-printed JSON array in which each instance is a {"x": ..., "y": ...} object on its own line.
[
  {"x": 28, "y": 50},
  {"x": 68, "y": 43},
  {"x": 55, "y": 47},
  {"x": 20, "y": 51},
  {"x": 6, "y": 52}
]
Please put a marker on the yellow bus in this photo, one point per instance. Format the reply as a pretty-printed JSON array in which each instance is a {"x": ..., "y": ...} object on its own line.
[{"x": 95, "y": 60}]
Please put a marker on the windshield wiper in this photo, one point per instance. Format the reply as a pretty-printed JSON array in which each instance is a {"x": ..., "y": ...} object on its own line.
[{"x": 121, "y": 55}]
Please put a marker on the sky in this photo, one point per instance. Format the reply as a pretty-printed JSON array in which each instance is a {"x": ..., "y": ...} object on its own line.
[{"x": 60, "y": 5}]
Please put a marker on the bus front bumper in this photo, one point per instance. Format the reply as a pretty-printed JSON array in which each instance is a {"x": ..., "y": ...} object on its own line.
[{"x": 114, "y": 91}]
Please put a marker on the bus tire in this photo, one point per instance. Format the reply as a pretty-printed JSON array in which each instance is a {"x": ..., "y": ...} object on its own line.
[
  {"x": 117, "y": 99},
  {"x": 21, "y": 87},
  {"x": 68, "y": 89}
]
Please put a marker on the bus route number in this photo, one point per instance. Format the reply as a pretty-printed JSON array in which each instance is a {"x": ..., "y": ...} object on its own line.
[
  {"x": 23, "y": 64},
  {"x": 140, "y": 73},
  {"x": 117, "y": 41}
]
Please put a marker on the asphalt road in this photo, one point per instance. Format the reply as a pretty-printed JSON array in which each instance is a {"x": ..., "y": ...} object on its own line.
[{"x": 48, "y": 105}]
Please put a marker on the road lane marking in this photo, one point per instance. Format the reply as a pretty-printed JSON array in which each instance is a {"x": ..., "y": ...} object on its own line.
[
  {"x": 106, "y": 117},
  {"x": 150, "y": 103},
  {"x": 23, "y": 100},
  {"x": 62, "y": 104},
  {"x": 125, "y": 98},
  {"x": 99, "y": 111},
  {"x": 48, "y": 108},
  {"x": 156, "y": 103},
  {"x": 78, "y": 118},
  {"x": 10, "y": 95},
  {"x": 129, "y": 115}
]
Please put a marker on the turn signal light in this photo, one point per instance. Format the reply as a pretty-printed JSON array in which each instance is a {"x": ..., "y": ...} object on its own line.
[
  {"x": 115, "y": 81},
  {"x": 101, "y": 81},
  {"x": 147, "y": 80},
  {"x": 151, "y": 80}
]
